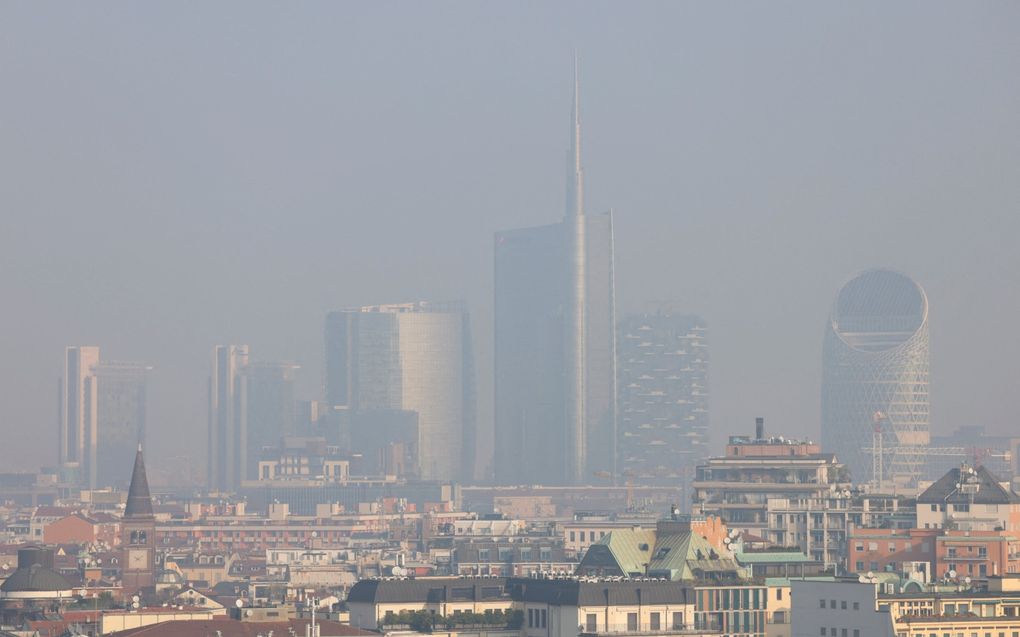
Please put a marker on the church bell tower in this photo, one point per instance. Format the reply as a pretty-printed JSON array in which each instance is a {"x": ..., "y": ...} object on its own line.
[{"x": 138, "y": 533}]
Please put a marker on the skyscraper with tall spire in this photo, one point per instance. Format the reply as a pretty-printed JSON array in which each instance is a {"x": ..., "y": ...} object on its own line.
[{"x": 555, "y": 364}]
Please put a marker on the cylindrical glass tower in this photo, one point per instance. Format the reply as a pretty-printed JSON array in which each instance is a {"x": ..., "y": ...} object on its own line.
[{"x": 875, "y": 360}]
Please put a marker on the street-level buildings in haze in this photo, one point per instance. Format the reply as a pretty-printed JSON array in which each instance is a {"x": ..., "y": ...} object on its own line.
[
  {"x": 663, "y": 397},
  {"x": 414, "y": 357},
  {"x": 555, "y": 352}
]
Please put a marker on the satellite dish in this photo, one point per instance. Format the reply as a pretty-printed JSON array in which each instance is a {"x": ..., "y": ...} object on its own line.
[
  {"x": 249, "y": 612},
  {"x": 871, "y": 574},
  {"x": 862, "y": 579},
  {"x": 952, "y": 573},
  {"x": 239, "y": 603},
  {"x": 966, "y": 580}
]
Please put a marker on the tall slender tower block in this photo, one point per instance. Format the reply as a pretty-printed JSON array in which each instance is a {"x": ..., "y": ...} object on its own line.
[
  {"x": 79, "y": 415},
  {"x": 555, "y": 359},
  {"x": 225, "y": 432}
]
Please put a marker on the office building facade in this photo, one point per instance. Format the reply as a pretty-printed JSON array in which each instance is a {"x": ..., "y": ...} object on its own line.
[
  {"x": 875, "y": 363},
  {"x": 555, "y": 351},
  {"x": 409, "y": 357},
  {"x": 663, "y": 397}
]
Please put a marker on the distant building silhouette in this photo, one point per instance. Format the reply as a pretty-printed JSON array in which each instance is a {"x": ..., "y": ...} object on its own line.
[
  {"x": 224, "y": 464},
  {"x": 267, "y": 411},
  {"x": 555, "y": 375},
  {"x": 875, "y": 360},
  {"x": 102, "y": 408},
  {"x": 408, "y": 357},
  {"x": 663, "y": 388},
  {"x": 122, "y": 400},
  {"x": 79, "y": 415}
]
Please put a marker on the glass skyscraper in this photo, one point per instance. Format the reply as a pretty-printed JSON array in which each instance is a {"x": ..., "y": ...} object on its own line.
[
  {"x": 411, "y": 357},
  {"x": 875, "y": 362},
  {"x": 555, "y": 352}
]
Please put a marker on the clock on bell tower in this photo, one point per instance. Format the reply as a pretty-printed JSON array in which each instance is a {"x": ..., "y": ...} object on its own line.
[{"x": 138, "y": 533}]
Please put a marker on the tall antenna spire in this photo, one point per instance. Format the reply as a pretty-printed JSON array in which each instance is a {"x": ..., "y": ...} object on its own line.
[
  {"x": 575, "y": 391},
  {"x": 575, "y": 174}
]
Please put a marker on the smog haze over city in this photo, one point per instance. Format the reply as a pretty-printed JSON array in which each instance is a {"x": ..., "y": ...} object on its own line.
[{"x": 177, "y": 176}]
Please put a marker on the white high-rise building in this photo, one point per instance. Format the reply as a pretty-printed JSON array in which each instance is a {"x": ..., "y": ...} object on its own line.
[{"x": 411, "y": 357}]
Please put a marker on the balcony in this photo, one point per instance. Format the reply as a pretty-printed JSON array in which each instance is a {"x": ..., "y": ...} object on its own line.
[{"x": 641, "y": 629}]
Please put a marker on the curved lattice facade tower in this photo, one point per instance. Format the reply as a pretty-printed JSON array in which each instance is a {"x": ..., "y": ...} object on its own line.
[{"x": 875, "y": 360}]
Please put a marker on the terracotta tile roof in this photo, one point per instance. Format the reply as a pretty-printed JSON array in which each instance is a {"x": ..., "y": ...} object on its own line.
[{"x": 234, "y": 628}]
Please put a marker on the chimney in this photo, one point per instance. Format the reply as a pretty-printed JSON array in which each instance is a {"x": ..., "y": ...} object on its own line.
[{"x": 759, "y": 428}]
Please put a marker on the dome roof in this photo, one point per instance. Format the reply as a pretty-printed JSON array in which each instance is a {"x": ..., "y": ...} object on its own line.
[{"x": 35, "y": 579}]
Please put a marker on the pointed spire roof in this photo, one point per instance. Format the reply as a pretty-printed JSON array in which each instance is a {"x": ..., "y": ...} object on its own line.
[
  {"x": 575, "y": 173},
  {"x": 139, "y": 502}
]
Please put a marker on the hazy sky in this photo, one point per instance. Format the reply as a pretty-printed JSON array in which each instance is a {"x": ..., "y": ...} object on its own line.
[{"x": 176, "y": 175}]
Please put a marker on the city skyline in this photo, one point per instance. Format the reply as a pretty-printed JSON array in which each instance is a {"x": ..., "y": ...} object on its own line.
[{"x": 750, "y": 174}]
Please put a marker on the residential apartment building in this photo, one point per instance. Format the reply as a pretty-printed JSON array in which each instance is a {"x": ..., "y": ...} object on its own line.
[
  {"x": 838, "y": 608},
  {"x": 663, "y": 398},
  {"x": 738, "y": 486},
  {"x": 820, "y": 526},
  {"x": 969, "y": 498}
]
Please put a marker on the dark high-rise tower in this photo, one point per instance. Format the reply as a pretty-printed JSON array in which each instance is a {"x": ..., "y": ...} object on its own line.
[{"x": 555, "y": 411}]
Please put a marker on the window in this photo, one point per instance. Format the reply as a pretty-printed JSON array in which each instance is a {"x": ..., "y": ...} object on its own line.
[
  {"x": 779, "y": 593},
  {"x": 483, "y": 555},
  {"x": 859, "y": 565},
  {"x": 821, "y": 603},
  {"x": 632, "y": 622},
  {"x": 545, "y": 616},
  {"x": 857, "y": 605},
  {"x": 591, "y": 622},
  {"x": 504, "y": 554},
  {"x": 859, "y": 546},
  {"x": 591, "y": 535},
  {"x": 842, "y": 632},
  {"x": 678, "y": 621},
  {"x": 531, "y": 618},
  {"x": 857, "y": 632},
  {"x": 842, "y": 605},
  {"x": 779, "y": 617},
  {"x": 832, "y": 604},
  {"x": 545, "y": 554},
  {"x": 525, "y": 555},
  {"x": 822, "y": 632},
  {"x": 572, "y": 534},
  {"x": 654, "y": 623}
]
